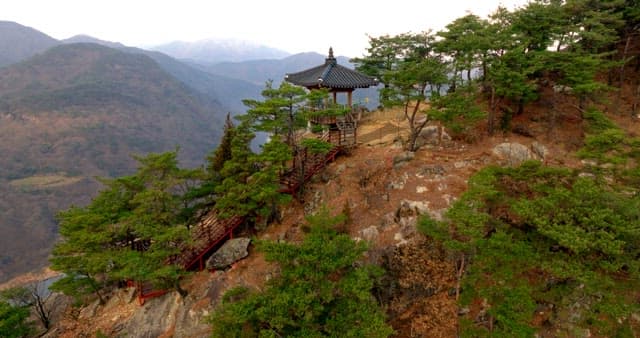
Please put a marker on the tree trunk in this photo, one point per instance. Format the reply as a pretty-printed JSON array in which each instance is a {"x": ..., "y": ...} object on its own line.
[
  {"x": 96, "y": 289},
  {"x": 182, "y": 292},
  {"x": 616, "y": 107},
  {"x": 290, "y": 126},
  {"x": 636, "y": 99},
  {"x": 484, "y": 69},
  {"x": 275, "y": 215},
  {"x": 520, "y": 106},
  {"x": 492, "y": 112},
  {"x": 553, "y": 115},
  {"x": 100, "y": 297},
  {"x": 459, "y": 277},
  {"x": 582, "y": 99},
  {"x": 414, "y": 131},
  {"x": 41, "y": 308},
  {"x": 454, "y": 80}
]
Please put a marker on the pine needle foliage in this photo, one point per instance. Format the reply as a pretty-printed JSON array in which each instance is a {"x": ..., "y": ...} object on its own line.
[
  {"x": 535, "y": 236},
  {"x": 321, "y": 291}
]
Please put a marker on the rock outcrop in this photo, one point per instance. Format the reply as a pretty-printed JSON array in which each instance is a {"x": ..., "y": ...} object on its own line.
[{"x": 232, "y": 251}]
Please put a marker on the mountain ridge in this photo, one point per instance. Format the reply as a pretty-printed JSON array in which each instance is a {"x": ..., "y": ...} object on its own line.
[
  {"x": 78, "y": 111},
  {"x": 258, "y": 72},
  {"x": 219, "y": 50},
  {"x": 18, "y": 42}
]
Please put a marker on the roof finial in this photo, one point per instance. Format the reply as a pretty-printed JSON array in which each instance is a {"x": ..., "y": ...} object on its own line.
[{"x": 330, "y": 59}]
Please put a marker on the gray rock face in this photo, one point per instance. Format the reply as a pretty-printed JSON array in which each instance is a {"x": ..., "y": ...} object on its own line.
[
  {"x": 513, "y": 153},
  {"x": 311, "y": 206},
  {"x": 158, "y": 315},
  {"x": 232, "y": 251},
  {"x": 170, "y": 315}
]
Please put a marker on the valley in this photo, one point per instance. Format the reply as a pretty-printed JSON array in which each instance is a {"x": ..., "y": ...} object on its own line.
[{"x": 77, "y": 109}]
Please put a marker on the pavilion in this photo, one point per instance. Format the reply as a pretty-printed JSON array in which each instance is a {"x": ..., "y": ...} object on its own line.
[{"x": 331, "y": 75}]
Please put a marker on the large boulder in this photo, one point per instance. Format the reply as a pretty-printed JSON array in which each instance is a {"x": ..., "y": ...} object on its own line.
[
  {"x": 539, "y": 150},
  {"x": 513, "y": 153},
  {"x": 232, "y": 251},
  {"x": 432, "y": 135}
]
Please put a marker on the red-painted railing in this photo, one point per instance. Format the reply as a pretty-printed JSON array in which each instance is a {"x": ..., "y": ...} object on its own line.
[{"x": 206, "y": 235}]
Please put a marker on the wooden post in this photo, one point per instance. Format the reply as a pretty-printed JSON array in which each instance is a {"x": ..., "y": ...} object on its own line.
[
  {"x": 335, "y": 97},
  {"x": 349, "y": 95},
  {"x": 355, "y": 134}
]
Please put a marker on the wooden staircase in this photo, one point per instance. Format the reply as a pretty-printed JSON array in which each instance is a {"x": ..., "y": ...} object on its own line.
[
  {"x": 306, "y": 166},
  {"x": 211, "y": 231},
  {"x": 206, "y": 235}
]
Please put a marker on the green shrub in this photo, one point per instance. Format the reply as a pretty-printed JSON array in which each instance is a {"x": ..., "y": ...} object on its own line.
[
  {"x": 541, "y": 235},
  {"x": 320, "y": 292}
]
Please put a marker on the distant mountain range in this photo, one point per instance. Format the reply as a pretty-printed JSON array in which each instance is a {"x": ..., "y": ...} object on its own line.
[
  {"x": 75, "y": 109},
  {"x": 213, "y": 51},
  {"x": 18, "y": 42},
  {"x": 259, "y": 71},
  {"x": 228, "y": 90},
  {"x": 90, "y": 39}
]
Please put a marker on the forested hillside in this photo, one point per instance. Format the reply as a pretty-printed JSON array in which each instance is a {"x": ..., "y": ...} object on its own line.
[{"x": 76, "y": 112}]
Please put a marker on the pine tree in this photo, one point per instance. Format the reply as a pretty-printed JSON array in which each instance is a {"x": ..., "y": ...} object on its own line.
[
  {"x": 542, "y": 235},
  {"x": 465, "y": 41},
  {"x": 129, "y": 231},
  {"x": 235, "y": 189},
  {"x": 407, "y": 83},
  {"x": 320, "y": 292},
  {"x": 251, "y": 182},
  {"x": 279, "y": 114},
  {"x": 223, "y": 152},
  {"x": 14, "y": 321}
]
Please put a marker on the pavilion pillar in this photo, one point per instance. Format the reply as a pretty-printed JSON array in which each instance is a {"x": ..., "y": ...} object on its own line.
[
  {"x": 335, "y": 97},
  {"x": 349, "y": 98}
]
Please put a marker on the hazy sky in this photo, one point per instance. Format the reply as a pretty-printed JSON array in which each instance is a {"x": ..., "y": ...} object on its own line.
[{"x": 292, "y": 25}]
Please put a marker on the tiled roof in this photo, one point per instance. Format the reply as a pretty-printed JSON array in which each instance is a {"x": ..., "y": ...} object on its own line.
[{"x": 331, "y": 75}]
